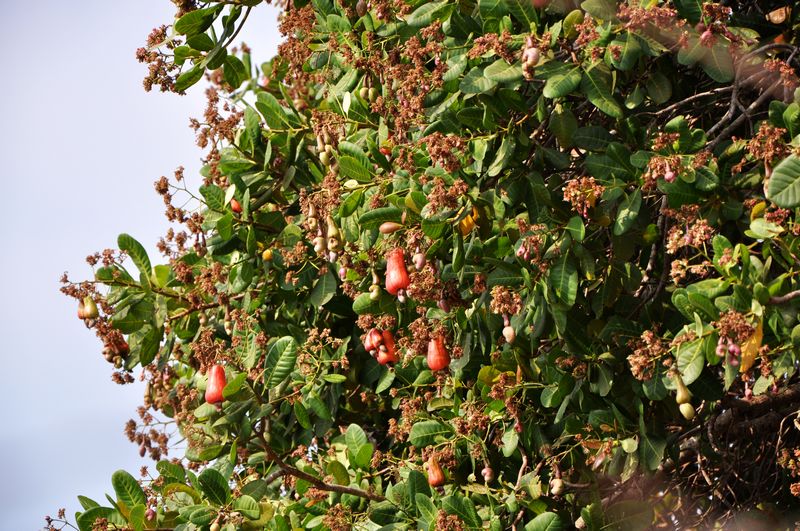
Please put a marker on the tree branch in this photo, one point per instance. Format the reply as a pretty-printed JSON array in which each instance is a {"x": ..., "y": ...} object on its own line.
[
  {"x": 763, "y": 412},
  {"x": 780, "y": 299},
  {"x": 273, "y": 456}
]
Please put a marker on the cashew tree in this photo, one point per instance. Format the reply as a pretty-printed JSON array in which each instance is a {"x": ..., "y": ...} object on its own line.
[{"x": 500, "y": 264}]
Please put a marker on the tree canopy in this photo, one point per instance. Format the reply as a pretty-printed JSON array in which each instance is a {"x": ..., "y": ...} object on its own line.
[{"x": 502, "y": 264}]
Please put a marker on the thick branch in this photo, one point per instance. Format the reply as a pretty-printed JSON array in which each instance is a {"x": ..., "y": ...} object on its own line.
[
  {"x": 761, "y": 413},
  {"x": 273, "y": 456}
]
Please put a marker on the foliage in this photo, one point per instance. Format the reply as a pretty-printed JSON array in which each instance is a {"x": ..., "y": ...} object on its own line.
[{"x": 597, "y": 210}]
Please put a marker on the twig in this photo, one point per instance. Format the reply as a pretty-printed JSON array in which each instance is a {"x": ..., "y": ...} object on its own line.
[
  {"x": 732, "y": 127},
  {"x": 651, "y": 262},
  {"x": 522, "y": 468},
  {"x": 780, "y": 299},
  {"x": 690, "y": 99},
  {"x": 273, "y": 456}
]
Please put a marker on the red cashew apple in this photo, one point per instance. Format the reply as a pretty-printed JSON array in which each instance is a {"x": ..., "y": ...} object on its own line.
[
  {"x": 396, "y": 273},
  {"x": 216, "y": 383},
  {"x": 435, "y": 473},
  {"x": 236, "y": 206},
  {"x": 387, "y": 352},
  {"x": 373, "y": 340},
  {"x": 438, "y": 358}
]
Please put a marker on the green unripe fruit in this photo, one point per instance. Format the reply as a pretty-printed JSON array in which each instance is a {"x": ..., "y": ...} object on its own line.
[
  {"x": 687, "y": 410},
  {"x": 374, "y": 292},
  {"x": 89, "y": 308},
  {"x": 683, "y": 396}
]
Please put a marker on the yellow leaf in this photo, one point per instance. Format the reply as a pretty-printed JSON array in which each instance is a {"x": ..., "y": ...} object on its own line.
[
  {"x": 466, "y": 225},
  {"x": 750, "y": 348}
]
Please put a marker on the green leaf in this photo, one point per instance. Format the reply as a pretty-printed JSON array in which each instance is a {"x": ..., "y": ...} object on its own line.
[
  {"x": 630, "y": 50},
  {"x": 214, "y": 196},
  {"x": 651, "y": 451},
  {"x": 201, "y": 42},
  {"x": 88, "y": 517},
  {"x": 425, "y": 506},
  {"x": 214, "y": 486},
  {"x": 136, "y": 251},
  {"x": 339, "y": 472},
  {"x": 502, "y": 156},
  {"x": 372, "y": 219},
  {"x": 385, "y": 381},
  {"x": 463, "y": 508},
  {"x": 189, "y": 78},
  {"x": 323, "y": 291},
  {"x": 301, "y": 414},
  {"x": 199, "y": 515},
  {"x": 424, "y": 15},
  {"x": 690, "y": 9},
  {"x": 492, "y": 9},
  {"x": 136, "y": 517},
  {"x": 659, "y": 88},
  {"x": 234, "y": 385},
  {"x": 280, "y": 361},
  {"x": 351, "y": 168},
  {"x": 87, "y": 503},
  {"x": 234, "y": 71},
  {"x": 354, "y": 438},
  {"x": 524, "y": 12},
  {"x": 248, "y": 507},
  {"x": 691, "y": 360},
  {"x": 563, "y": 125},
  {"x": 475, "y": 82},
  {"x": 784, "y": 185},
  {"x": 627, "y": 213},
  {"x": 596, "y": 84},
  {"x": 417, "y": 483},
  {"x": 602, "y": 9},
  {"x": 363, "y": 457},
  {"x": 510, "y": 442},
  {"x": 546, "y": 522},
  {"x": 425, "y": 432},
  {"x": 502, "y": 72},
  {"x": 564, "y": 279},
  {"x": 791, "y": 119},
  {"x": 576, "y": 228},
  {"x": 127, "y": 489},
  {"x": 717, "y": 62},
  {"x": 559, "y": 85},
  {"x": 762, "y": 229},
  {"x": 197, "y": 21},
  {"x": 593, "y": 137},
  {"x": 171, "y": 470},
  {"x": 271, "y": 110},
  {"x": 351, "y": 203}
]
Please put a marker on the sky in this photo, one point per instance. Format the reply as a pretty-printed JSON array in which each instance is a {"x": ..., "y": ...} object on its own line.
[{"x": 81, "y": 144}]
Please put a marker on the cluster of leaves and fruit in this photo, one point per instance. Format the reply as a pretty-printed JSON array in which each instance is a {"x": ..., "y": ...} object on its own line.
[{"x": 469, "y": 264}]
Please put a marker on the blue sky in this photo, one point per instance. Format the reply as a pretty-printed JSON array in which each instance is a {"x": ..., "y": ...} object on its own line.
[{"x": 81, "y": 145}]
